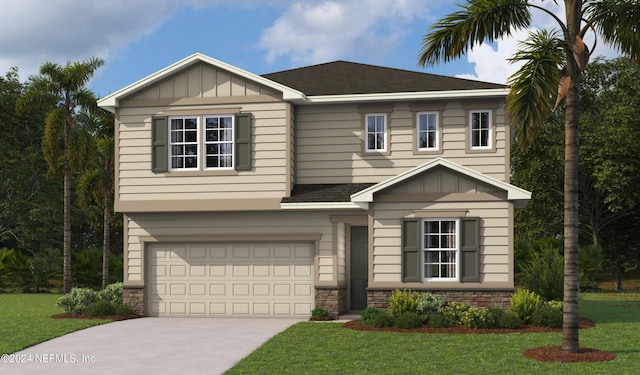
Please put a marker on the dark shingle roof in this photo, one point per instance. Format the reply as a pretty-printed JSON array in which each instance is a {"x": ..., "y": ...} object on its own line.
[
  {"x": 324, "y": 193},
  {"x": 344, "y": 78}
]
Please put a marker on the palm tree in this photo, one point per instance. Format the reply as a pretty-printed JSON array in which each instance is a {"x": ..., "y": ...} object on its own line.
[
  {"x": 97, "y": 181},
  {"x": 552, "y": 60},
  {"x": 64, "y": 87}
]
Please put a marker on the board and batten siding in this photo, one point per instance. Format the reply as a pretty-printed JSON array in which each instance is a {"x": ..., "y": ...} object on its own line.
[
  {"x": 495, "y": 235},
  {"x": 269, "y": 158},
  {"x": 329, "y": 144},
  {"x": 221, "y": 227}
]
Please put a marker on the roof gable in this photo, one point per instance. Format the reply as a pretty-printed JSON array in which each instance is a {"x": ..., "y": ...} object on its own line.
[
  {"x": 348, "y": 78},
  {"x": 110, "y": 102},
  {"x": 514, "y": 193}
]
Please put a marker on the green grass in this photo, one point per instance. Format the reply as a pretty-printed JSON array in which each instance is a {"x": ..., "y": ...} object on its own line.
[
  {"x": 327, "y": 348},
  {"x": 25, "y": 320}
]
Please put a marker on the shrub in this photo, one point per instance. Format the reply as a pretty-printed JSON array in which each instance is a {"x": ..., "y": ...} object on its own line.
[
  {"x": 77, "y": 300},
  {"x": 429, "y": 305},
  {"x": 508, "y": 320},
  {"x": 383, "y": 319},
  {"x": 591, "y": 269},
  {"x": 367, "y": 316},
  {"x": 454, "y": 310},
  {"x": 523, "y": 304},
  {"x": 548, "y": 314},
  {"x": 99, "y": 308},
  {"x": 408, "y": 320},
  {"x": 439, "y": 321},
  {"x": 112, "y": 293},
  {"x": 124, "y": 310},
  {"x": 319, "y": 312},
  {"x": 544, "y": 273},
  {"x": 477, "y": 317},
  {"x": 401, "y": 301}
]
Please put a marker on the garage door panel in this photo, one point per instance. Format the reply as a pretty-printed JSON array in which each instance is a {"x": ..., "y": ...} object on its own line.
[{"x": 230, "y": 279}]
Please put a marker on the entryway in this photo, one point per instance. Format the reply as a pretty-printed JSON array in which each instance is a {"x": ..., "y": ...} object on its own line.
[{"x": 358, "y": 268}]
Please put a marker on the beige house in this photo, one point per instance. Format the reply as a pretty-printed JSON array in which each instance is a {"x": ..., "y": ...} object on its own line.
[{"x": 325, "y": 186}]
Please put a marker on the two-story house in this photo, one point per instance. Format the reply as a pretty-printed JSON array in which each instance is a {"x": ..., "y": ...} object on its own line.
[{"x": 325, "y": 186}]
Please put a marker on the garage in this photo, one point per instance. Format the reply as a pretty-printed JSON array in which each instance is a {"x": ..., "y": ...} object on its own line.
[{"x": 229, "y": 279}]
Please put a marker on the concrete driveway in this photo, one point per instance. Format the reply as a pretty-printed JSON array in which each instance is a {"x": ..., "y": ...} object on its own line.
[{"x": 148, "y": 346}]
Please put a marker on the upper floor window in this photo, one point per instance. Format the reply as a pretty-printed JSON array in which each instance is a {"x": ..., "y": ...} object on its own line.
[
  {"x": 188, "y": 151},
  {"x": 440, "y": 248},
  {"x": 480, "y": 129},
  {"x": 376, "y": 132},
  {"x": 427, "y": 130}
]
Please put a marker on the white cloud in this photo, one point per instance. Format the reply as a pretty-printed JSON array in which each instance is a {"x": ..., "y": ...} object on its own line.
[
  {"x": 35, "y": 31},
  {"x": 318, "y": 31}
]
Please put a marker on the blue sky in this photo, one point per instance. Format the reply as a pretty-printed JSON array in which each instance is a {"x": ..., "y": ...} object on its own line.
[{"x": 138, "y": 37}]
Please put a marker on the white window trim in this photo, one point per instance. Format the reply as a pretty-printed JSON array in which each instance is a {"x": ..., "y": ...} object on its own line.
[
  {"x": 423, "y": 250},
  {"x": 198, "y": 143},
  {"x": 489, "y": 145},
  {"x": 437, "y": 131},
  {"x": 204, "y": 143},
  {"x": 385, "y": 134}
]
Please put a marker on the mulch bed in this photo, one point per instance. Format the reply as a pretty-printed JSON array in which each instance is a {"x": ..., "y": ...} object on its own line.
[
  {"x": 112, "y": 317},
  {"x": 542, "y": 353}
]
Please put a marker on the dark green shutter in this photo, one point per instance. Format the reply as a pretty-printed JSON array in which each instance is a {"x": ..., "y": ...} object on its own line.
[
  {"x": 243, "y": 142},
  {"x": 470, "y": 240},
  {"x": 410, "y": 250},
  {"x": 159, "y": 145}
]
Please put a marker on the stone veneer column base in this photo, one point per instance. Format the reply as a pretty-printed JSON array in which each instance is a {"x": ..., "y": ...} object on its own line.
[
  {"x": 478, "y": 298},
  {"x": 134, "y": 296},
  {"x": 332, "y": 299}
]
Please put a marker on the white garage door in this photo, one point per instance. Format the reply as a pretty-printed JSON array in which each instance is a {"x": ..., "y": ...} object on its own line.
[{"x": 241, "y": 279}]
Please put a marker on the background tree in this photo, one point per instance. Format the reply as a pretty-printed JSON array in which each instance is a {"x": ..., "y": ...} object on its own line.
[
  {"x": 552, "y": 59},
  {"x": 63, "y": 87},
  {"x": 96, "y": 183}
]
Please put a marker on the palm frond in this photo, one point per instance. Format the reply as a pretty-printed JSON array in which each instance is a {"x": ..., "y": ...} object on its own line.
[
  {"x": 53, "y": 139},
  {"x": 530, "y": 98},
  {"x": 617, "y": 22},
  {"x": 478, "y": 22}
]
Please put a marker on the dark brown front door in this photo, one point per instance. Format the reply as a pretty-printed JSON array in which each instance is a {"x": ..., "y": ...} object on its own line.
[{"x": 359, "y": 268}]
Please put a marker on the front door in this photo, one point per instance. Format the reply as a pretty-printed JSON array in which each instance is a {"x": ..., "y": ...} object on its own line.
[{"x": 359, "y": 267}]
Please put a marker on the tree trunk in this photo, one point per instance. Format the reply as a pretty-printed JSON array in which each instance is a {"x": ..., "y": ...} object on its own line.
[
  {"x": 106, "y": 221},
  {"x": 66, "y": 252},
  {"x": 570, "y": 342}
]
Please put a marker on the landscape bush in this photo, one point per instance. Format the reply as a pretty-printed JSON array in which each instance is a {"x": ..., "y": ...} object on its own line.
[
  {"x": 543, "y": 274},
  {"x": 548, "y": 314},
  {"x": 523, "y": 303},
  {"x": 505, "y": 319},
  {"x": 408, "y": 320},
  {"x": 401, "y": 301},
  {"x": 454, "y": 310},
  {"x": 477, "y": 317},
  {"x": 439, "y": 321},
  {"x": 429, "y": 305},
  {"x": 79, "y": 299},
  {"x": 100, "y": 308},
  {"x": 368, "y": 315},
  {"x": 383, "y": 319},
  {"x": 319, "y": 312}
]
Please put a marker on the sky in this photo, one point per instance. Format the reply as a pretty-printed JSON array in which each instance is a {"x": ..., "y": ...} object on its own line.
[{"x": 139, "y": 37}]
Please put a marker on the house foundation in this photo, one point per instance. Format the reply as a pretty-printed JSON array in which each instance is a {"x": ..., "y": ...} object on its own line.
[
  {"x": 134, "y": 297},
  {"x": 477, "y": 298},
  {"x": 332, "y": 299}
]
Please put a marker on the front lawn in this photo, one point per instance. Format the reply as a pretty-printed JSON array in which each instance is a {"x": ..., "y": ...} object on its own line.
[
  {"x": 328, "y": 348},
  {"x": 25, "y": 320}
]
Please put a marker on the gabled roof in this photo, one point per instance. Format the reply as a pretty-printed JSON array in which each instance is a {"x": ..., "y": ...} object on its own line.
[
  {"x": 347, "y": 78},
  {"x": 109, "y": 102},
  {"x": 514, "y": 193}
]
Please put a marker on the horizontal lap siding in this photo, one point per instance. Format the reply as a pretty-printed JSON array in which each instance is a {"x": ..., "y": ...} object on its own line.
[
  {"x": 228, "y": 224},
  {"x": 329, "y": 144},
  {"x": 494, "y": 237},
  {"x": 266, "y": 179}
]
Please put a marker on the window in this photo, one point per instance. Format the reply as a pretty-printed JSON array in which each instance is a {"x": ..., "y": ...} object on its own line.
[
  {"x": 184, "y": 143},
  {"x": 376, "y": 132},
  {"x": 218, "y": 142},
  {"x": 427, "y": 123},
  {"x": 188, "y": 152},
  {"x": 440, "y": 249},
  {"x": 480, "y": 129}
]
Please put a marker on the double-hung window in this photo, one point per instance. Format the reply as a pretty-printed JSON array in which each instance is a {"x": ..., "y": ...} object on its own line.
[
  {"x": 189, "y": 150},
  {"x": 427, "y": 131},
  {"x": 441, "y": 249},
  {"x": 376, "y": 132},
  {"x": 480, "y": 130}
]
